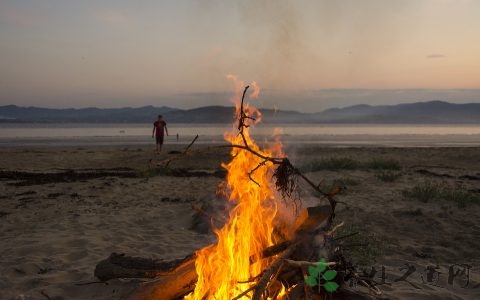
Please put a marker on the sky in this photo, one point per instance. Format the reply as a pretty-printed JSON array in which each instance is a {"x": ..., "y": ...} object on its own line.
[{"x": 306, "y": 55}]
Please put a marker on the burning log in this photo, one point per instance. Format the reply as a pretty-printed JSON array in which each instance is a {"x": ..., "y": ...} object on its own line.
[
  {"x": 172, "y": 285},
  {"x": 172, "y": 279},
  {"x": 122, "y": 266}
]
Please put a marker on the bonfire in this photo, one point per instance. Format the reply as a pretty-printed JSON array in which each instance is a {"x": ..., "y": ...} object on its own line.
[
  {"x": 225, "y": 270},
  {"x": 270, "y": 247}
]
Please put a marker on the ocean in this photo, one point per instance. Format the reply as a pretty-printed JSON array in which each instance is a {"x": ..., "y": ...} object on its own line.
[{"x": 12, "y": 134}]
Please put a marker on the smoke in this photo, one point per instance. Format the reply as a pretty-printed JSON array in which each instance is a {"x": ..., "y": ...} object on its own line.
[
  {"x": 260, "y": 40},
  {"x": 304, "y": 45},
  {"x": 273, "y": 33}
]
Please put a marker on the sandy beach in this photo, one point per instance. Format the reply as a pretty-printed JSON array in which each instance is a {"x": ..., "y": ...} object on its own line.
[{"x": 411, "y": 205}]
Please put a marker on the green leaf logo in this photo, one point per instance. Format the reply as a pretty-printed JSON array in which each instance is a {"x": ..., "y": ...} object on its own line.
[
  {"x": 330, "y": 286},
  {"x": 316, "y": 276},
  {"x": 322, "y": 265},
  {"x": 313, "y": 271},
  {"x": 329, "y": 275},
  {"x": 311, "y": 281}
]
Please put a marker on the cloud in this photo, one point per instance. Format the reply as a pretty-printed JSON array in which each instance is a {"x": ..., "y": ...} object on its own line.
[{"x": 430, "y": 56}]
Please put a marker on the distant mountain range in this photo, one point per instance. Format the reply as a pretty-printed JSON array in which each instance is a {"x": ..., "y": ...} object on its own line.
[{"x": 433, "y": 112}]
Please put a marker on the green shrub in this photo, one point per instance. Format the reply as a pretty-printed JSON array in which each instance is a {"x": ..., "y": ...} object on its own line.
[
  {"x": 459, "y": 196},
  {"x": 332, "y": 164},
  {"x": 364, "y": 247},
  {"x": 347, "y": 163},
  {"x": 152, "y": 172},
  {"x": 388, "y": 176},
  {"x": 412, "y": 212},
  {"x": 383, "y": 164},
  {"x": 345, "y": 181},
  {"x": 423, "y": 192},
  {"x": 428, "y": 191}
]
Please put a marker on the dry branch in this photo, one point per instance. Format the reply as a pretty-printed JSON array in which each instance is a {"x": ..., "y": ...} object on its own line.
[
  {"x": 166, "y": 163},
  {"x": 262, "y": 284},
  {"x": 302, "y": 263},
  {"x": 286, "y": 173}
]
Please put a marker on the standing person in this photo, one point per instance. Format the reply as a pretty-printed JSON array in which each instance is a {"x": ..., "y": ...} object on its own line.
[{"x": 158, "y": 128}]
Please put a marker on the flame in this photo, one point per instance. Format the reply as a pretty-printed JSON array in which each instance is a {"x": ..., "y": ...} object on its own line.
[{"x": 224, "y": 268}]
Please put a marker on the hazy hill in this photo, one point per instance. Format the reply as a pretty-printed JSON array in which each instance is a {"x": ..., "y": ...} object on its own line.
[
  {"x": 146, "y": 114},
  {"x": 13, "y": 113},
  {"x": 433, "y": 112}
]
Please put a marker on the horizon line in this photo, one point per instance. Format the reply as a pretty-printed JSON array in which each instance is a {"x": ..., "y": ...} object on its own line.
[{"x": 227, "y": 106}]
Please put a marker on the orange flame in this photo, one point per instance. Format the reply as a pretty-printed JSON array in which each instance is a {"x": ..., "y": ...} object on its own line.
[{"x": 224, "y": 268}]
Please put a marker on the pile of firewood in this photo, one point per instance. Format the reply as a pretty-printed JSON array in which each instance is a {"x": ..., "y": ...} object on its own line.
[{"x": 314, "y": 240}]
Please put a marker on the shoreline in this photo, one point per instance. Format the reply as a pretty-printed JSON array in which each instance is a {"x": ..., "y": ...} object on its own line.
[{"x": 346, "y": 140}]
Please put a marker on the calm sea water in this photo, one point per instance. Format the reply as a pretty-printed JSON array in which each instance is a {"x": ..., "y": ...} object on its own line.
[{"x": 338, "y": 134}]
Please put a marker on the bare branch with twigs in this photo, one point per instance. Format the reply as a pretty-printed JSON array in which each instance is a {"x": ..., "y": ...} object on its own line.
[{"x": 285, "y": 184}]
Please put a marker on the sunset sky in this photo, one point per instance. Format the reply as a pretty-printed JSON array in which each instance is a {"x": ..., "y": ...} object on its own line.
[{"x": 306, "y": 55}]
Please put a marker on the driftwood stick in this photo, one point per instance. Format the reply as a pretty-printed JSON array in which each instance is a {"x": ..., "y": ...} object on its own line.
[
  {"x": 190, "y": 145},
  {"x": 271, "y": 251},
  {"x": 256, "y": 168},
  {"x": 121, "y": 266},
  {"x": 346, "y": 236},
  {"x": 301, "y": 263},
  {"x": 317, "y": 189},
  {"x": 354, "y": 245},
  {"x": 272, "y": 280},
  {"x": 167, "y": 162},
  {"x": 264, "y": 280},
  {"x": 371, "y": 287},
  {"x": 90, "y": 282},
  {"x": 336, "y": 227},
  {"x": 45, "y": 294},
  {"x": 244, "y": 293},
  {"x": 295, "y": 292},
  {"x": 177, "y": 283},
  {"x": 275, "y": 249},
  {"x": 253, "y": 279},
  {"x": 275, "y": 160},
  {"x": 243, "y": 116}
]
